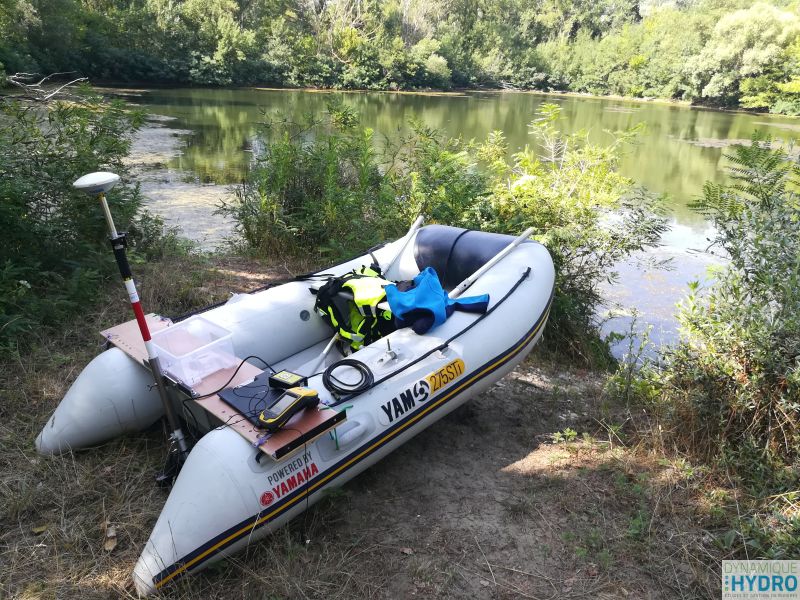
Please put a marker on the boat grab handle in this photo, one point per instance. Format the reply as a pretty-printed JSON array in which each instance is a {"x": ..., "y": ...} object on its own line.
[{"x": 352, "y": 435}]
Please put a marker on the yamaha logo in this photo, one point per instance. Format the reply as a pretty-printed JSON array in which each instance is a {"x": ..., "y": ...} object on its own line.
[
  {"x": 267, "y": 498},
  {"x": 406, "y": 401},
  {"x": 411, "y": 398}
]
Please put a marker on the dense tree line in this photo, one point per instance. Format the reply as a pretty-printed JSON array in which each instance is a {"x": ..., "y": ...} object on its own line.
[{"x": 717, "y": 52}]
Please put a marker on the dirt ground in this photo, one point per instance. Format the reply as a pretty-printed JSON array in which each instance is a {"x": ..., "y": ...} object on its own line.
[{"x": 532, "y": 490}]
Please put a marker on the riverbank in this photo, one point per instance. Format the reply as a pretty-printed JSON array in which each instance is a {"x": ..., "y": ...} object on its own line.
[
  {"x": 455, "y": 92},
  {"x": 186, "y": 203},
  {"x": 177, "y": 195},
  {"x": 548, "y": 485},
  {"x": 535, "y": 489}
]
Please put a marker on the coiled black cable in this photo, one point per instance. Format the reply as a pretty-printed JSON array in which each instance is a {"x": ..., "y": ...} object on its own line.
[{"x": 341, "y": 388}]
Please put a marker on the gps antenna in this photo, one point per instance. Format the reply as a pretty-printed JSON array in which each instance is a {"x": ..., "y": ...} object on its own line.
[{"x": 98, "y": 184}]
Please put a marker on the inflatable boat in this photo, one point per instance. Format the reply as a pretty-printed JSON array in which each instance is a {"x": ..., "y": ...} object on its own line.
[{"x": 237, "y": 484}]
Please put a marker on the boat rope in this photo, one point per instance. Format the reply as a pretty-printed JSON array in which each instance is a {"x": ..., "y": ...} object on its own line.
[{"x": 364, "y": 368}]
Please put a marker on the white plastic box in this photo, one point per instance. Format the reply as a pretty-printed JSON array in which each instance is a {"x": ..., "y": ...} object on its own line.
[{"x": 193, "y": 349}]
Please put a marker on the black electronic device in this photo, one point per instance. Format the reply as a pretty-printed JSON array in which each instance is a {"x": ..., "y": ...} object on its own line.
[
  {"x": 289, "y": 404},
  {"x": 252, "y": 399},
  {"x": 286, "y": 379}
]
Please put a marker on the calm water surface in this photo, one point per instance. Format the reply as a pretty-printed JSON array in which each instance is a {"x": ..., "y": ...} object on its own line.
[{"x": 680, "y": 149}]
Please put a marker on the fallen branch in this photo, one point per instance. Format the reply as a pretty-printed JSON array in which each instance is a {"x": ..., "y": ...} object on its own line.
[{"x": 35, "y": 88}]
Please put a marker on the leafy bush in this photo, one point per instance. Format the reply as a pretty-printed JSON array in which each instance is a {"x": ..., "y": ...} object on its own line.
[
  {"x": 323, "y": 186},
  {"x": 733, "y": 382},
  {"x": 587, "y": 214},
  {"x": 435, "y": 176},
  {"x": 54, "y": 252},
  {"x": 330, "y": 190},
  {"x": 729, "y": 392},
  {"x": 316, "y": 188}
]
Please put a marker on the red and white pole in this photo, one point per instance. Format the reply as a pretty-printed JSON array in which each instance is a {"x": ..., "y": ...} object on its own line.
[{"x": 99, "y": 184}]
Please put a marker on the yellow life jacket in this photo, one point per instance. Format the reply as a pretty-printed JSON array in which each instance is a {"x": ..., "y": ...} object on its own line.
[{"x": 358, "y": 321}]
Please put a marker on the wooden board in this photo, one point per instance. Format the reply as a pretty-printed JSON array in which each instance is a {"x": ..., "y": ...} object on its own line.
[
  {"x": 127, "y": 337},
  {"x": 301, "y": 429}
]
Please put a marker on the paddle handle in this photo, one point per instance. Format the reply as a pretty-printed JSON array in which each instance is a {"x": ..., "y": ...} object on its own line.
[{"x": 411, "y": 231}]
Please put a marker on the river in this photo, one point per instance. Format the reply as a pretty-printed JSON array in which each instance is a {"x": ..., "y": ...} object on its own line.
[{"x": 209, "y": 135}]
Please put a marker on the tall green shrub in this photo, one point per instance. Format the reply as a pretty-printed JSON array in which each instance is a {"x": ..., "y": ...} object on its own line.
[
  {"x": 435, "y": 176},
  {"x": 731, "y": 387},
  {"x": 316, "y": 189},
  {"x": 728, "y": 394},
  {"x": 327, "y": 189},
  {"x": 53, "y": 251},
  {"x": 588, "y": 215}
]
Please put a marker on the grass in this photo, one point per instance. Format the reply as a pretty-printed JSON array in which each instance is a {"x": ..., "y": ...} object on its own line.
[
  {"x": 503, "y": 507},
  {"x": 51, "y": 509},
  {"x": 620, "y": 507}
]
